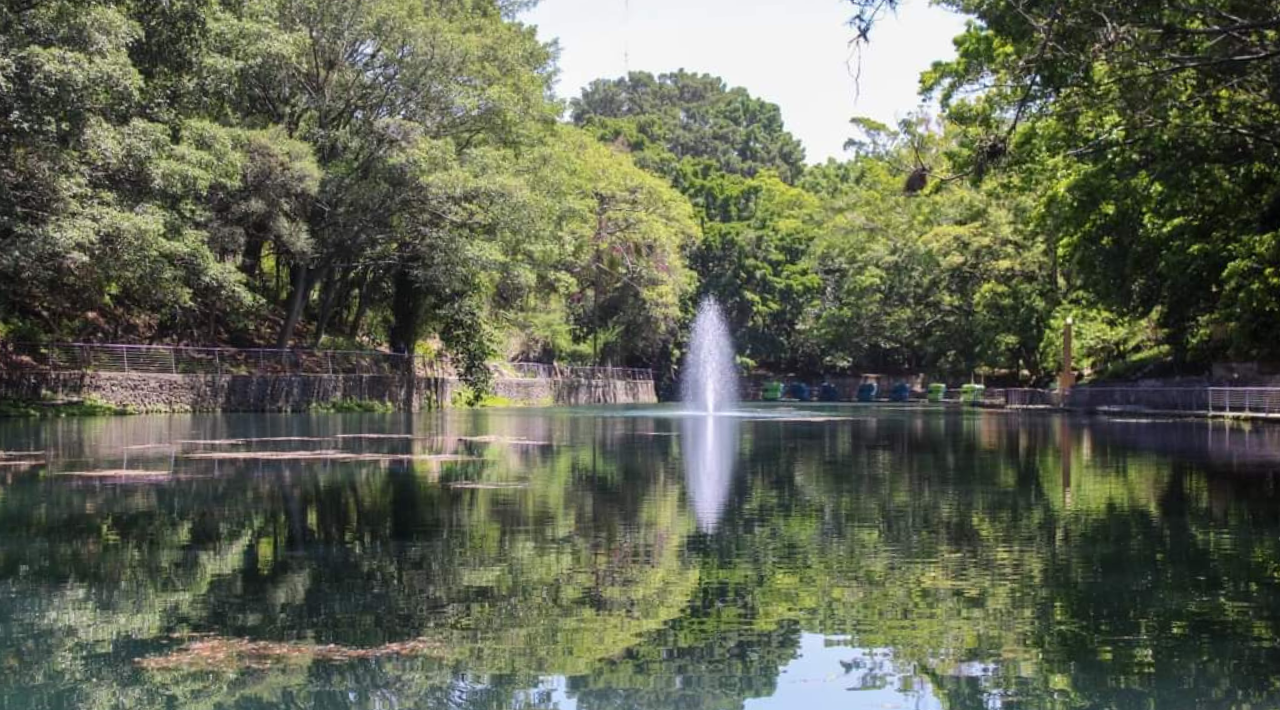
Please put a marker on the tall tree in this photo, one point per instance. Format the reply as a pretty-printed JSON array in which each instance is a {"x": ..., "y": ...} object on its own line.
[
  {"x": 730, "y": 154},
  {"x": 1160, "y": 122},
  {"x": 754, "y": 261},
  {"x": 364, "y": 81},
  {"x": 943, "y": 280},
  {"x": 684, "y": 115},
  {"x": 113, "y": 210},
  {"x": 620, "y": 271}
]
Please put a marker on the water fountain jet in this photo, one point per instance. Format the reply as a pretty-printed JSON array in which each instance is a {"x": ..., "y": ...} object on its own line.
[
  {"x": 709, "y": 379},
  {"x": 709, "y": 434}
]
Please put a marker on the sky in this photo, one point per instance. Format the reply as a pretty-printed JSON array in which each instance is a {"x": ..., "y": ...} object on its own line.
[{"x": 794, "y": 53}]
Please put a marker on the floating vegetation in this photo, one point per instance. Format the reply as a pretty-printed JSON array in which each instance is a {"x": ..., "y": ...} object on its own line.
[
  {"x": 510, "y": 441},
  {"x": 478, "y": 486},
  {"x": 324, "y": 455},
  {"x": 230, "y": 655},
  {"x": 376, "y": 436},
  {"x": 22, "y": 454},
  {"x": 88, "y": 407},
  {"x": 802, "y": 419},
  {"x": 413, "y": 457},
  {"x": 269, "y": 439},
  {"x": 349, "y": 406},
  {"x": 115, "y": 473},
  {"x": 259, "y": 440},
  {"x": 327, "y": 454}
]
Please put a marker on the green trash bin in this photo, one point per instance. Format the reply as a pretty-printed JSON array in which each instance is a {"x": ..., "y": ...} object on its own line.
[
  {"x": 771, "y": 391},
  {"x": 936, "y": 392},
  {"x": 972, "y": 394}
]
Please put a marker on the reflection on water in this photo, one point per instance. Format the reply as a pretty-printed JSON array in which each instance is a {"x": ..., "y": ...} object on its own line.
[
  {"x": 534, "y": 559},
  {"x": 710, "y": 448}
]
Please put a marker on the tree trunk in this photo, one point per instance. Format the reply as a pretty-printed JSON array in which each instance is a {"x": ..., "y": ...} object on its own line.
[
  {"x": 328, "y": 296},
  {"x": 408, "y": 304},
  {"x": 357, "y": 320},
  {"x": 297, "y": 302},
  {"x": 251, "y": 259}
]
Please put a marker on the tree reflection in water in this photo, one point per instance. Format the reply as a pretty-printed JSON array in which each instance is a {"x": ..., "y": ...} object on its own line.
[{"x": 968, "y": 559}]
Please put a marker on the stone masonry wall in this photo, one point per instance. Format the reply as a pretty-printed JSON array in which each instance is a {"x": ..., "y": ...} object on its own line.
[{"x": 295, "y": 393}]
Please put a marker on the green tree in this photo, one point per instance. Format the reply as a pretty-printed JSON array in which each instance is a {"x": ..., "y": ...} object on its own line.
[
  {"x": 945, "y": 278},
  {"x": 109, "y": 224},
  {"x": 210, "y": 171},
  {"x": 617, "y": 237},
  {"x": 1158, "y": 122},
  {"x": 754, "y": 261},
  {"x": 682, "y": 115},
  {"x": 731, "y": 156},
  {"x": 365, "y": 83}
]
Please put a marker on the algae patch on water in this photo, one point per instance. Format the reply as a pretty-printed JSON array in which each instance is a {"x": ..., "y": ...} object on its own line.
[
  {"x": 231, "y": 654},
  {"x": 323, "y": 455},
  {"x": 129, "y": 473}
]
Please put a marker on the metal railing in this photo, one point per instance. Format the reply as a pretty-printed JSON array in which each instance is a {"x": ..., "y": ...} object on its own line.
[
  {"x": 1197, "y": 400},
  {"x": 1021, "y": 398},
  {"x": 1244, "y": 400},
  {"x": 177, "y": 360},
  {"x": 1156, "y": 399},
  {"x": 535, "y": 370}
]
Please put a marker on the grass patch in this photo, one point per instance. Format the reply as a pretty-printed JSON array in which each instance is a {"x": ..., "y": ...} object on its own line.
[
  {"x": 465, "y": 398},
  {"x": 493, "y": 400},
  {"x": 351, "y": 406}
]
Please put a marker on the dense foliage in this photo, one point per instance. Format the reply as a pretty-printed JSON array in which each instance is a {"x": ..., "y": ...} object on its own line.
[
  {"x": 299, "y": 172},
  {"x": 1150, "y": 130},
  {"x": 732, "y": 158},
  {"x": 391, "y": 173}
]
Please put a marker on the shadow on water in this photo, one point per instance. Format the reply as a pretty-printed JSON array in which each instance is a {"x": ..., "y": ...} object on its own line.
[{"x": 610, "y": 559}]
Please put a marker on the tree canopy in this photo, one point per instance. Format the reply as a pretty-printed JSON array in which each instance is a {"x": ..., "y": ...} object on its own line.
[
  {"x": 681, "y": 116},
  {"x": 300, "y": 173},
  {"x": 392, "y": 173},
  {"x": 1151, "y": 128}
]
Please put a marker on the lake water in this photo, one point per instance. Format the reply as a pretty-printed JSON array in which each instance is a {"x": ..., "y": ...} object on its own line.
[{"x": 826, "y": 558}]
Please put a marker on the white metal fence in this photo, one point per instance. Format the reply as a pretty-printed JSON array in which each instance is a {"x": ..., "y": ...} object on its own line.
[
  {"x": 534, "y": 370},
  {"x": 1022, "y": 398},
  {"x": 174, "y": 360},
  {"x": 1244, "y": 400},
  {"x": 1192, "y": 400},
  {"x": 1159, "y": 399}
]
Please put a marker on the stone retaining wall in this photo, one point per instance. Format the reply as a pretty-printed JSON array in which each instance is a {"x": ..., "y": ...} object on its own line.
[
  {"x": 582, "y": 392},
  {"x": 296, "y": 393}
]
